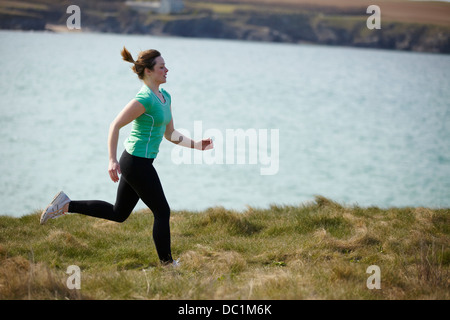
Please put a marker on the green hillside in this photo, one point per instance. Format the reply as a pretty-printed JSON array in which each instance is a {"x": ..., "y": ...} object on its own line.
[{"x": 318, "y": 250}]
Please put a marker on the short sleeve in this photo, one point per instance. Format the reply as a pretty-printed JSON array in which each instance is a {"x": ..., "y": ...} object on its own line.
[{"x": 144, "y": 99}]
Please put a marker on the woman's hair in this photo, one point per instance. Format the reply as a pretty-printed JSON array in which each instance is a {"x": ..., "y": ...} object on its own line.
[{"x": 146, "y": 59}]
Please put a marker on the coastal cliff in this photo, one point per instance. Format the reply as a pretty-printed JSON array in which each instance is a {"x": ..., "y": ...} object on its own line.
[
  {"x": 305, "y": 28},
  {"x": 330, "y": 26}
]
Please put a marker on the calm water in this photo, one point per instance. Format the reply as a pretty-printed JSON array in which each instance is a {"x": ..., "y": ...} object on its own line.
[{"x": 359, "y": 126}]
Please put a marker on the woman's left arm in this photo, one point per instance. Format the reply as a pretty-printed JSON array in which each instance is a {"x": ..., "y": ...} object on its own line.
[{"x": 176, "y": 137}]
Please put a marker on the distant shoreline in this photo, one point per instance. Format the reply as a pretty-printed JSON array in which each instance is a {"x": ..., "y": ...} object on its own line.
[
  {"x": 60, "y": 28},
  {"x": 417, "y": 27}
]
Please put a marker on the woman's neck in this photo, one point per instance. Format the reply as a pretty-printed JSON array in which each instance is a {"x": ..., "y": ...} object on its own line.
[{"x": 153, "y": 86}]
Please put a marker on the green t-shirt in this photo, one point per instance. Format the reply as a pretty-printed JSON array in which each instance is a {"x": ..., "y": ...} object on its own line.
[{"x": 148, "y": 129}]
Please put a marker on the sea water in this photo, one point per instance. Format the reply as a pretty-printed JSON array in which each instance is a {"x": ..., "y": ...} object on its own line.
[{"x": 359, "y": 126}]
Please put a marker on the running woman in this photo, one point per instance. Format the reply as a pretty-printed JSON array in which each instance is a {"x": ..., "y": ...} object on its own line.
[{"x": 151, "y": 117}]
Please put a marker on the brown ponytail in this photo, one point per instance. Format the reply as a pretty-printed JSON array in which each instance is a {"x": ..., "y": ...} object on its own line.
[{"x": 146, "y": 59}]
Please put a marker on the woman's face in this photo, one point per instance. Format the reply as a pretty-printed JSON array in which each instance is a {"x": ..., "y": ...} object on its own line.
[{"x": 159, "y": 72}]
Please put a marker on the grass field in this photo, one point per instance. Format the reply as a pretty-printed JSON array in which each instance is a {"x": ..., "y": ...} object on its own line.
[{"x": 317, "y": 250}]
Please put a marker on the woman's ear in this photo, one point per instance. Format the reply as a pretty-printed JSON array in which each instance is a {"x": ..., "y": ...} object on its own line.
[{"x": 147, "y": 71}]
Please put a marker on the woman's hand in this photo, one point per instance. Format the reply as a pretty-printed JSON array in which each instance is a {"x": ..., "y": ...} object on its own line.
[
  {"x": 205, "y": 144},
  {"x": 114, "y": 170}
]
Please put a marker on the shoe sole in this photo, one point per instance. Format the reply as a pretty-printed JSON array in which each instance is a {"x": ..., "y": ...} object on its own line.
[{"x": 45, "y": 211}]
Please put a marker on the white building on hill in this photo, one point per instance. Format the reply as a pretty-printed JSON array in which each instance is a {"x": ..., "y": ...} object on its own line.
[{"x": 161, "y": 7}]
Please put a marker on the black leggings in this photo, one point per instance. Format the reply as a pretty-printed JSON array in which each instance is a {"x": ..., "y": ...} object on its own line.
[{"x": 139, "y": 180}]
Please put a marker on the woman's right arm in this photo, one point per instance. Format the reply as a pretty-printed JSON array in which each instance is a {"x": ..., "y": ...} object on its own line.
[{"x": 131, "y": 111}]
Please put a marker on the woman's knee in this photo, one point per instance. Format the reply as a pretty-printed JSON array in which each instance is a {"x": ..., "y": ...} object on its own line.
[
  {"x": 121, "y": 215},
  {"x": 162, "y": 212},
  {"x": 120, "y": 219}
]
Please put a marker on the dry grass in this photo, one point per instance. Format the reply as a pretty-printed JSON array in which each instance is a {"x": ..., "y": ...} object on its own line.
[
  {"x": 318, "y": 250},
  {"x": 21, "y": 278}
]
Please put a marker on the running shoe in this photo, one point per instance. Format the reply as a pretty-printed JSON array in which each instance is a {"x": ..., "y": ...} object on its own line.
[
  {"x": 176, "y": 263},
  {"x": 55, "y": 208}
]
